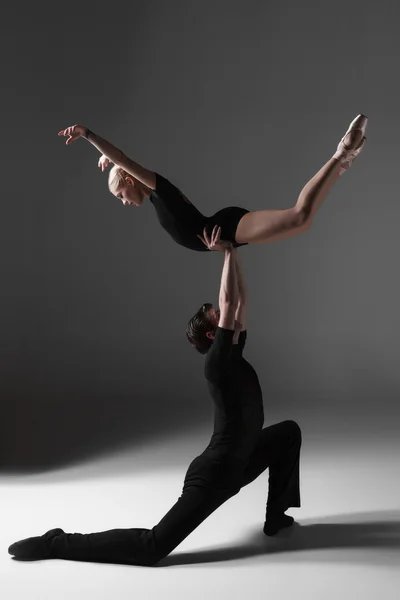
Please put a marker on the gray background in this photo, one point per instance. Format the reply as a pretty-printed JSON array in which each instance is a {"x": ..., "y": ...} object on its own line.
[{"x": 238, "y": 103}]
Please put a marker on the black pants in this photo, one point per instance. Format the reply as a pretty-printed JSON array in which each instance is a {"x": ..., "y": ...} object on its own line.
[{"x": 278, "y": 448}]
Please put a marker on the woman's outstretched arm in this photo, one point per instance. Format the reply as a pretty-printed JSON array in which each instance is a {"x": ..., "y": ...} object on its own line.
[{"x": 114, "y": 154}]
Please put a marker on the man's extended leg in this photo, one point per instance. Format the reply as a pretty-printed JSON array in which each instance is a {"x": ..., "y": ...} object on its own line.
[
  {"x": 137, "y": 546},
  {"x": 279, "y": 450}
]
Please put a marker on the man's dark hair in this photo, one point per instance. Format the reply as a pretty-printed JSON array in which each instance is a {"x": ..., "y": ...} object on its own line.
[{"x": 197, "y": 328}]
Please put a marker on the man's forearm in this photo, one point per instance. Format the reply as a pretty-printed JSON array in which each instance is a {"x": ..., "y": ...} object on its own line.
[
  {"x": 229, "y": 293},
  {"x": 242, "y": 289}
]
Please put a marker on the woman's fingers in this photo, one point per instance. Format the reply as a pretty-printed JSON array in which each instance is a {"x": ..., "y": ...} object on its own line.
[
  {"x": 65, "y": 131},
  {"x": 70, "y": 133},
  {"x": 103, "y": 162},
  {"x": 71, "y": 139},
  {"x": 75, "y": 130}
]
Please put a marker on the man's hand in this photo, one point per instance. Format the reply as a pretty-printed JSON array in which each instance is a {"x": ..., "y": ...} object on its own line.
[
  {"x": 103, "y": 162},
  {"x": 214, "y": 243},
  {"x": 73, "y": 133}
]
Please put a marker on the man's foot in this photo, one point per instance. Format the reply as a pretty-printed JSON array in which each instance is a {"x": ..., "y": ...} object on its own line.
[
  {"x": 276, "y": 522},
  {"x": 35, "y": 548}
]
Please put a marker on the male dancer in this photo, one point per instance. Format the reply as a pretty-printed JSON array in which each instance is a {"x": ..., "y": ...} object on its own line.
[{"x": 239, "y": 450}]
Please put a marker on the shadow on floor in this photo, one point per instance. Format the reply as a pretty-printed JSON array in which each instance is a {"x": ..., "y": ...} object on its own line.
[
  {"x": 68, "y": 430},
  {"x": 372, "y": 538}
]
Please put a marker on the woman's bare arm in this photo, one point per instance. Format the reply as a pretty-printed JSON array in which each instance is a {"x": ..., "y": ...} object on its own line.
[
  {"x": 114, "y": 154},
  {"x": 120, "y": 159}
]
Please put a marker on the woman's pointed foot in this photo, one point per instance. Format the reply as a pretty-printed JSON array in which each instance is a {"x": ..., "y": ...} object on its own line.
[
  {"x": 353, "y": 140},
  {"x": 346, "y": 164},
  {"x": 35, "y": 548}
]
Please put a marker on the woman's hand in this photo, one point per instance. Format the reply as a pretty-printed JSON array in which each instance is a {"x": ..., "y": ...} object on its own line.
[
  {"x": 73, "y": 133},
  {"x": 103, "y": 162},
  {"x": 214, "y": 243}
]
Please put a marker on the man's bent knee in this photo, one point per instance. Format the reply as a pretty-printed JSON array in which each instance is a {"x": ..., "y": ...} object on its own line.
[{"x": 294, "y": 429}]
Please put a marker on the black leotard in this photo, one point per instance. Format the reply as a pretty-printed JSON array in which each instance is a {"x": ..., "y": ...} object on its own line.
[{"x": 183, "y": 221}]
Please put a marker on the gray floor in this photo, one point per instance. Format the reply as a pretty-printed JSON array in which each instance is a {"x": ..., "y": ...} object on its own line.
[{"x": 346, "y": 542}]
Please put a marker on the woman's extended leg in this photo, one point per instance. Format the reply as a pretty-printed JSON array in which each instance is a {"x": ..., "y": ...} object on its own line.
[{"x": 259, "y": 227}]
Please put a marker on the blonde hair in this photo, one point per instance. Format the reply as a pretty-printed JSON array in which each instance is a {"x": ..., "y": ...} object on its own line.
[{"x": 116, "y": 179}]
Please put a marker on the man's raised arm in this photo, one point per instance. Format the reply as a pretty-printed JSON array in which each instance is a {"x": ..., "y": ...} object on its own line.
[
  {"x": 241, "y": 311},
  {"x": 228, "y": 293}
]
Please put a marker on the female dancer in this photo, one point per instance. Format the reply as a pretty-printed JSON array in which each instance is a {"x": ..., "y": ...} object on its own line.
[{"x": 132, "y": 184}]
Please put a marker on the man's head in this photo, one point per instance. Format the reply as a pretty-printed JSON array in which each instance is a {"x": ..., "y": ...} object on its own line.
[
  {"x": 126, "y": 188},
  {"x": 201, "y": 328}
]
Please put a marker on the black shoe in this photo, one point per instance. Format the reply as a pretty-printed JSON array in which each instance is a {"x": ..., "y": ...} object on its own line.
[
  {"x": 35, "y": 548},
  {"x": 274, "y": 523}
]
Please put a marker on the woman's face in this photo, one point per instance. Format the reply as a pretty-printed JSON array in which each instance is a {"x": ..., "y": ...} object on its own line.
[{"x": 130, "y": 194}]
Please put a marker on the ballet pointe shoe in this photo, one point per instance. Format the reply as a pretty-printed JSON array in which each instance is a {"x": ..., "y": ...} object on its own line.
[
  {"x": 352, "y": 139},
  {"x": 346, "y": 164}
]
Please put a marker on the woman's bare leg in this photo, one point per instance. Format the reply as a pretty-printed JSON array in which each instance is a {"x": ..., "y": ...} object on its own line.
[{"x": 260, "y": 227}]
